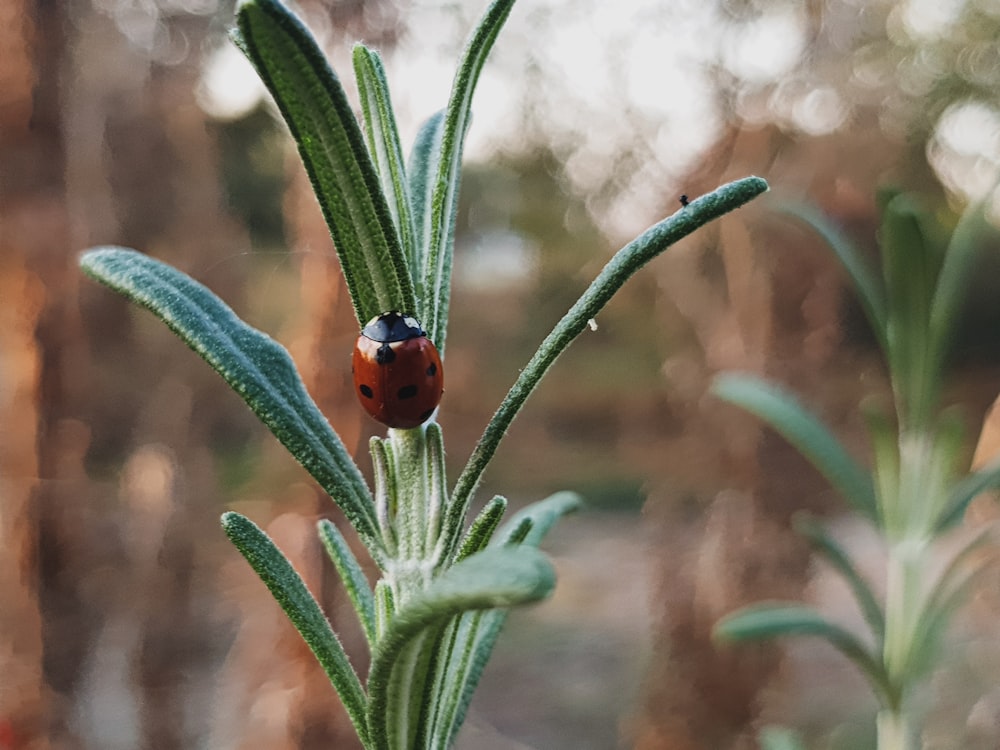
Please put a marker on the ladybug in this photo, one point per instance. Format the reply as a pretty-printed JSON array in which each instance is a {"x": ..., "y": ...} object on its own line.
[{"x": 397, "y": 371}]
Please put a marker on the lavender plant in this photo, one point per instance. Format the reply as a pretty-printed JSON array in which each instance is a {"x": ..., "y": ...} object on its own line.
[
  {"x": 916, "y": 490},
  {"x": 433, "y": 615}
]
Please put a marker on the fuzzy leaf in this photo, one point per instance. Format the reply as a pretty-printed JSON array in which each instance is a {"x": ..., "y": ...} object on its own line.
[
  {"x": 319, "y": 116},
  {"x": 351, "y": 575},
  {"x": 384, "y": 145},
  {"x": 253, "y": 364},
  {"x": 481, "y": 530},
  {"x": 612, "y": 277},
  {"x": 291, "y": 593},
  {"x": 804, "y": 431},
  {"x": 399, "y": 693},
  {"x": 440, "y": 241},
  {"x": 421, "y": 170},
  {"x": 467, "y": 645}
]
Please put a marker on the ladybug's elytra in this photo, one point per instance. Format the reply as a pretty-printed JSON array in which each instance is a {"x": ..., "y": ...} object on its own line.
[{"x": 397, "y": 371}]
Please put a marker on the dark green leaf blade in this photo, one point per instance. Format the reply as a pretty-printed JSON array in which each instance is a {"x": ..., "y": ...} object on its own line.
[
  {"x": 319, "y": 115},
  {"x": 258, "y": 368},
  {"x": 291, "y": 593}
]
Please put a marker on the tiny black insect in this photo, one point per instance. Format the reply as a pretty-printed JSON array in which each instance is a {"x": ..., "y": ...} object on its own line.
[{"x": 684, "y": 199}]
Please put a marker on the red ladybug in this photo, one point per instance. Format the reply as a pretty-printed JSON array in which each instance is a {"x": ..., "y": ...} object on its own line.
[{"x": 397, "y": 371}]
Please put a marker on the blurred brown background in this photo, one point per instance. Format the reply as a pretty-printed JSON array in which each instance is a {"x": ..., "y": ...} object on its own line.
[{"x": 125, "y": 619}]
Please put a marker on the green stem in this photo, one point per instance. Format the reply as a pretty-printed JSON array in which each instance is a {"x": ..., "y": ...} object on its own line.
[{"x": 893, "y": 731}]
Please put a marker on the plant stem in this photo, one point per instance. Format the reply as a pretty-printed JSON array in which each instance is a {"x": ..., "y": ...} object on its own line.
[{"x": 893, "y": 731}]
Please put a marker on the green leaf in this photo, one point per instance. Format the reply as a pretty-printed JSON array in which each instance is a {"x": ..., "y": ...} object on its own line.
[
  {"x": 319, "y": 116},
  {"x": 804, "y": 431},
  {"x": 398, "y": 682},
  {"x": 384, "y": 144},
  {"x": 254, "y": 365},
  {"x": 964, "y": 492},
  {"x": 291, "y": 593},
  {"x": 769, "y": 620},
  {"x": 952, "y": 281},
  {"x": 910, "y": 267},
  {"x": 444, "y": 198},
  {"x": 612, "y": 277},
  {"x": 827, "y": 546},
  {"x": 421, "y": 170},
  {"x": 353, "y": 577},
  {"x": 481, "y": 530},
  {"x": 866, "y": 282},
  {"x": 467, "y": 646}
]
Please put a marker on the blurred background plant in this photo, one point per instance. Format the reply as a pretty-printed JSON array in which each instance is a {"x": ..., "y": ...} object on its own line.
[
  {"x": 102, "y": 140},
  {"x": 917, "y": 489}
]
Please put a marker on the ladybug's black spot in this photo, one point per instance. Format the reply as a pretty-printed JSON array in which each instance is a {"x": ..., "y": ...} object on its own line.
[
  {"x": 384, "y": 355},
  {"x": 407, "y": 391},
  {"x": 366, "y": 391},
  {"x": 432, "y": 370}
]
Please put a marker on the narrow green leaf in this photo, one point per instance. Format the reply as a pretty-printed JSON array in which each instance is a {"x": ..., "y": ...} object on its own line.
[
  {"x": 964, "y": 492},
  {"x": 421, "y": 170},
  {"x": 444, "y": 201},
  {"x": 866, "y": 282},
  {"x": 254, "y": 365},
  {"x": 481, "y": 530},
  {"x": 302, "y": 609},
  {"x": 827, "y": 546},
  {"x": 804, "y": 431},
  {"x": 495, "y": 578},
  {"x": 465, "y": 653},
  {"x": 952, "y": 282},
  {"x": 385, "y": 607},
  {"x": 385, "y": 146},
  {"x": 770, "y": 620},
  {"x": 542, "y": 516},
  {"x": 951, "y": 590},
  {"x": 612, "y": 277},
  {"x": 353, "y": 577},
  {"x": 910, "y": 268},
  {"x": 320, "y": 118}
]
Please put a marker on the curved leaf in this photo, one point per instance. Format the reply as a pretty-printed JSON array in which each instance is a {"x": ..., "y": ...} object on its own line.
[
  {"x": 612, "y": 277},
  {"x": 866, "y": 282},
  {"x": 398, "y": 684},
  {"x": 320, "y": 118},
  {"x": 837, "y": 556},
  {"x": 964, "y": 492},
  {"x": 770, "y": 620},
  {"x": 258, "y": 368},
  {"x": 804, "y": 431},
  {"x": 291, "y": 593}
]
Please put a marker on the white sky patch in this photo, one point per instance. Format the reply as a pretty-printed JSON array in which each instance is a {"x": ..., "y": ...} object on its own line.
[
  {"x": 229, "y": 88},
  {"x": 965, "y": 149},
  {"x": 769, "y": 47},
  {"x": 929, "y": 19}
]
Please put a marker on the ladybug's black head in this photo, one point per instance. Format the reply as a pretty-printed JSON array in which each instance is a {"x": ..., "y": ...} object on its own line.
[{"x": 392, "y": 326}]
